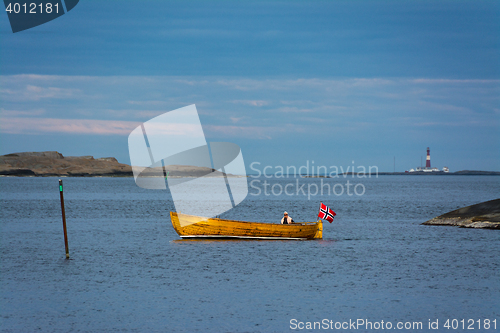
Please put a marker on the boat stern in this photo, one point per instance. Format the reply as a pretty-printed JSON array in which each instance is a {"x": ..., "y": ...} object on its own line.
[{"x": 319, "y": 231}]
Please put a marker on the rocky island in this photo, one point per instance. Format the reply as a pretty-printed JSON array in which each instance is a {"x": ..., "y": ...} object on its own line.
[
  {"x": 485, "y": 215},
  {"x": 54, "y": 164}
]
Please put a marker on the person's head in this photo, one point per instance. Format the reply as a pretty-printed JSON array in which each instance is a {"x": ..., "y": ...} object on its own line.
[{"x": 285, "y": 213}]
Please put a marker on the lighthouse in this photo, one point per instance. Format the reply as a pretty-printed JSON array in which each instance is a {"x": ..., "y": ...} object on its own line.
[
  {"x": 428, "y": 165},
  {"x": 428, "y": 160}
]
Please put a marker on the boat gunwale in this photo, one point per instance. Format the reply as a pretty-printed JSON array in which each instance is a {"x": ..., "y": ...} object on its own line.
[{"x": 207, "y": 220}]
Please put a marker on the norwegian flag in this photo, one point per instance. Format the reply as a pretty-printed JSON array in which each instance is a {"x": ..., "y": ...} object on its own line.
[{"x": 326, "y": 213}]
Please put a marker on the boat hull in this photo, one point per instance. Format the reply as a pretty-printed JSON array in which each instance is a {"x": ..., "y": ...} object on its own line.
[{"x": 190, "y": 226}]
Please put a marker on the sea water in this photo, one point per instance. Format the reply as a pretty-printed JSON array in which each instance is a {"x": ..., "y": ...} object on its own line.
[{"x": 130, "y": 272}]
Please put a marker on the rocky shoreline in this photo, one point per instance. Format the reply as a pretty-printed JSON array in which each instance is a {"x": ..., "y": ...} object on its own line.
[
  {"x": 54, "y": 164},
  {"x": 484, "y": 215}
]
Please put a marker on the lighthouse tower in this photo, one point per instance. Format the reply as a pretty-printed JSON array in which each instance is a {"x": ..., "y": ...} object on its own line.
[
  {"x": 428, "y": 161},
  {"x": 427, "y": 165}
]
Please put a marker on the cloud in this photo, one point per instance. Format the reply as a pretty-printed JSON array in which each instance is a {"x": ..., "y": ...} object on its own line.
[
  {"x": 251, "y": 102},
  {"x": 464, "y": 124},
  {"x": 235, "y": 119},
  {"x": 135, "y": 114},
  {"x": 16, "y": 125},
  {"x": 445, "y": 107},
  {"x": 293, "y": 109},
  {"x": 17, "y": 113},
  {"x": 453, "y": 81},
  {"x": 35, "y": 93},
  {"x": 252, "y": 132},
  {"x": 148, "y": 103},
  {"x": 259, "y": 107}
]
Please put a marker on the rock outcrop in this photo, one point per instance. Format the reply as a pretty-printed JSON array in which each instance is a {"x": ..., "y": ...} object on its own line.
[
  {"x": 485, "y": 215},
  {"x": 53, "y": 163}
]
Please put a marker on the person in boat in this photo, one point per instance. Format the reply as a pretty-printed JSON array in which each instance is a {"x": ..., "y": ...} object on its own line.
[{"x": 286, "y": 219}]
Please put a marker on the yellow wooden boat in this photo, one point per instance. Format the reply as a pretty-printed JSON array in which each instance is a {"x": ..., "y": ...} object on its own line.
[{"x": 190, "y": 226}]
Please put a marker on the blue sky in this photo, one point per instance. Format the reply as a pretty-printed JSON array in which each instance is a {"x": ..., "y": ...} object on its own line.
[{"x": 324, "y": 81}]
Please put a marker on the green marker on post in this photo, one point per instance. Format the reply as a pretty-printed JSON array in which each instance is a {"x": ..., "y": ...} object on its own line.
[{"x": 167, "y": 175}]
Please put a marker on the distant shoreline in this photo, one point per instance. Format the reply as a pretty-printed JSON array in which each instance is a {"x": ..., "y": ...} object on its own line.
[
  {"x": 440, "y": 173},
  {"x": 54, "y": 164}
]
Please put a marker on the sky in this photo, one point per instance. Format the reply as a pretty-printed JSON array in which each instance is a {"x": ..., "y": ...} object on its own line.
[{"x": 290, "y": 82}]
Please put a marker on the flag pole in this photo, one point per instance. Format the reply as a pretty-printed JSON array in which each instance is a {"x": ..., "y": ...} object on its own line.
[{"x": 319, "y": 210}]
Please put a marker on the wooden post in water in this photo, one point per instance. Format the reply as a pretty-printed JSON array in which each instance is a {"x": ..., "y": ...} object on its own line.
[{"x": 64, "y": 218}]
